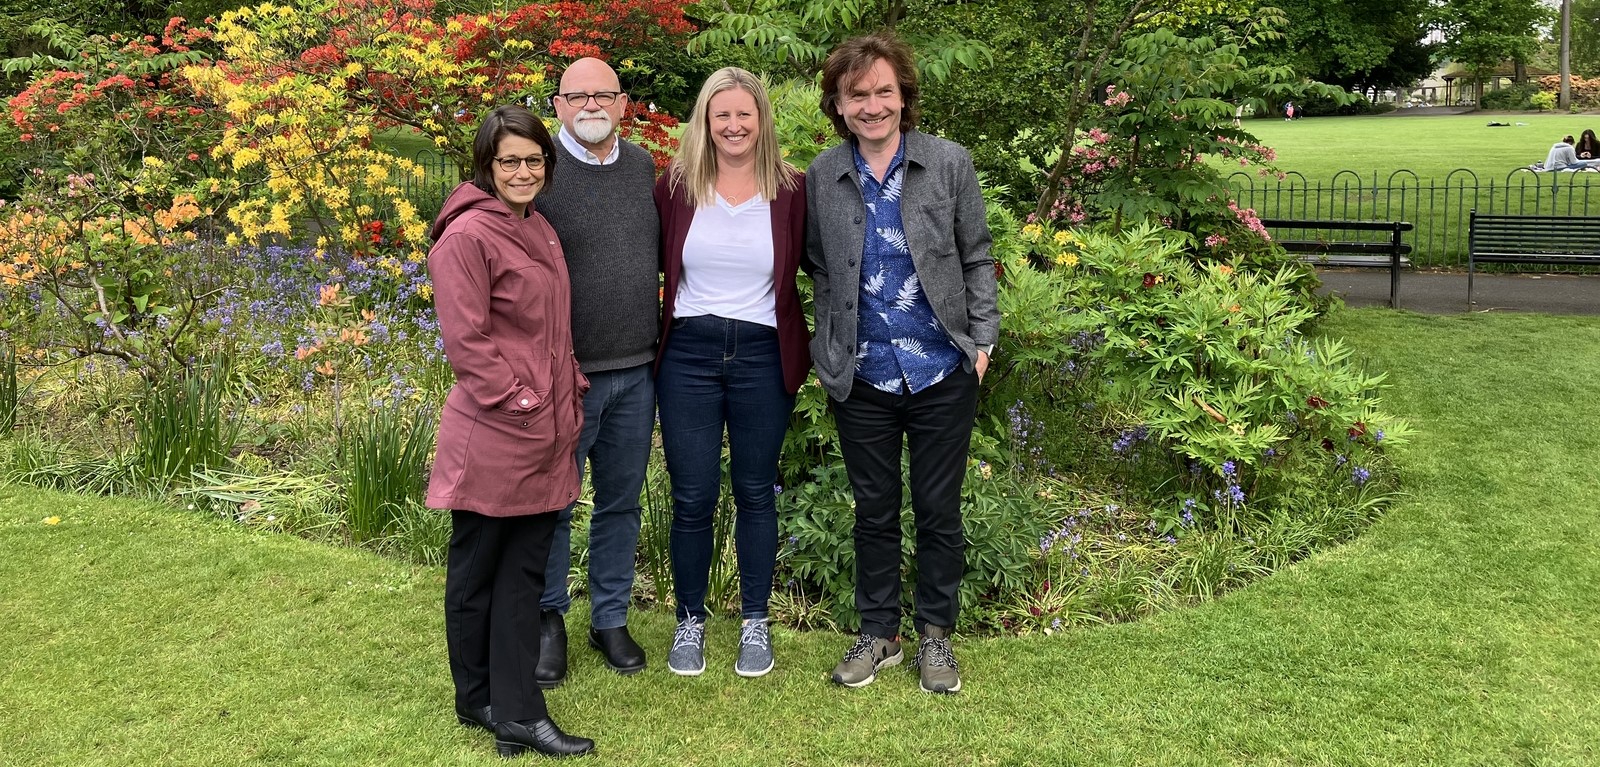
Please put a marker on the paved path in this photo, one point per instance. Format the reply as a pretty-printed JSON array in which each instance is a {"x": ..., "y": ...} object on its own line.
[{"x": 1446, "y": 292}]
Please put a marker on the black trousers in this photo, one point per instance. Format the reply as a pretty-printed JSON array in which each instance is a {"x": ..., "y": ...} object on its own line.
[
  {"x": 493, "y": 580},
  {"x": 936, "y": 425}
]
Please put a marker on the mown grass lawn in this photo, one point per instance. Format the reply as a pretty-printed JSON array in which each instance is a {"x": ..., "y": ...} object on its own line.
[
  {"x": 1430, "y": 146},
  {"x": 1463, "y": 629}
]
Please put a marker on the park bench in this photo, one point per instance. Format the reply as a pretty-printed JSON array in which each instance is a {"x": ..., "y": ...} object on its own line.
[
  {"x": 1541, "y": 240},
  {"x": 1341, "y": 248}
]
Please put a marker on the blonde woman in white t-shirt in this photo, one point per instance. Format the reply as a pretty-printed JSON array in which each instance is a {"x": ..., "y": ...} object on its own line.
[{"x": 734, "y": 350}]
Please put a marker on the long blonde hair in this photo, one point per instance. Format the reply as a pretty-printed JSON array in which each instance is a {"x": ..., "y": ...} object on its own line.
[{"x": 695, "y": 168}]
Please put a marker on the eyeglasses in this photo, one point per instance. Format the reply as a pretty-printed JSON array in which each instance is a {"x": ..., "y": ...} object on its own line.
[
  {"x": 511, "y": 164},
  {"x": 580, "y": 100}
]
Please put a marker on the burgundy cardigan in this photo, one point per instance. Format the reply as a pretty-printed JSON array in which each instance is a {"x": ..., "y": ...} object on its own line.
[{"x": 788, "y": 248}]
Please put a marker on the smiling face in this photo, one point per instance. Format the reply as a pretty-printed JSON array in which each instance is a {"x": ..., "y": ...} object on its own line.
[
  {"x": 735, "y": 124},
  {"x": 871, "y": 106},
  {"x": 594, "y": 126},
  {"x": 516, "y": 188}
]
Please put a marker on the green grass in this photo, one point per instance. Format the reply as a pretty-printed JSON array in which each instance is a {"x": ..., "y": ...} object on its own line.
[
  {"x": 1431, "y": 146},
  {"x": 1462, "y": 629}
]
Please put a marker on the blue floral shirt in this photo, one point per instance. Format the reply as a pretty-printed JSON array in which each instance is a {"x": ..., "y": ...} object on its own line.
[{"x": 901, "y": 345}]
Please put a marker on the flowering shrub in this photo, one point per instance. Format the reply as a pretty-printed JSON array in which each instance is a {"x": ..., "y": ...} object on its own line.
[{"x": 98, "y": 253}]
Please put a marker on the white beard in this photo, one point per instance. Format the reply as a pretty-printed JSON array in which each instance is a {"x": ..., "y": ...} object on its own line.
[{"x": 592, "y": 126}]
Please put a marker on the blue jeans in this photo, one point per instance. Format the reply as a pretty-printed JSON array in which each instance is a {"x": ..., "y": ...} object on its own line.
[
  {"x": 721, "y": 374},
  {"x": 618, "y": 418}
]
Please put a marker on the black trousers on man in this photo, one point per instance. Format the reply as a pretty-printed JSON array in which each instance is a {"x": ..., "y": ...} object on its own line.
[
  {"x": 493, "y": 580},
  {"x": 936, "y": 426}
]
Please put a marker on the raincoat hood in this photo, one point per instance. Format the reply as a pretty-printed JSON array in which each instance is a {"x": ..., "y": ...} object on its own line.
[{"x": 466, "y": 197}]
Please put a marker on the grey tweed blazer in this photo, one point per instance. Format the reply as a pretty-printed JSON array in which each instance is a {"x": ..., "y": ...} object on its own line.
[{"x": 942, "y": 211}]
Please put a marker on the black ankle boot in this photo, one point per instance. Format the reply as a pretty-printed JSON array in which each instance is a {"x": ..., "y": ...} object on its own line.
[
  {"x": 475, "y": 716},
  {"x": 541, "y": 735},
  {"x": 552, "y": 668},
  {"x": 622, "y": 654}
]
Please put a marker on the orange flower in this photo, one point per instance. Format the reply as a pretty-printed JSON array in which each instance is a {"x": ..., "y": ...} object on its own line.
[
  {"x": 1225, "y": 269},
  {"x": 328, "y": 295}
]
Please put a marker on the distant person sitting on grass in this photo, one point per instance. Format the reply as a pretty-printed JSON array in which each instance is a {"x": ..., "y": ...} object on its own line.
[
  {"x": 1563, "y": 157},
  {"x": 1588, "y": 146}
]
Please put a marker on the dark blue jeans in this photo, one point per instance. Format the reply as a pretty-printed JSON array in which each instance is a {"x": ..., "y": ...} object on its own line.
[
  {"x": 618, "y": 418},
  {"x": 718, "y": 374}
]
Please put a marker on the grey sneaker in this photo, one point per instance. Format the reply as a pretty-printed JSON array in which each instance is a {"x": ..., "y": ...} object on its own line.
[
  {"x": 862, "y": 661},
  {"x": 688, "y": 656},
  {"x": 936, "y": 662},
  {"x": 755, "y": 649}
]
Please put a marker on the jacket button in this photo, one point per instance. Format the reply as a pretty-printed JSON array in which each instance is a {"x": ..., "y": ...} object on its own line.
[
  {"x": 524, "y": 424},
  {"x": 524, "y": 403},
  {"x": 849, "y": 305},
  {"x": 858, "y": 219},
  {"x": 852, "y": 263}
]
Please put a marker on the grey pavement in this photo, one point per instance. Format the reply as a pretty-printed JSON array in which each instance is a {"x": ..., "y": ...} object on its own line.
[{"x": 1432, "y": 292}]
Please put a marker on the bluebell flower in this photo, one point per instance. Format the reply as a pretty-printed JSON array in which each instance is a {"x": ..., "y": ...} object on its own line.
[
  {"x": 1228, "y": 468},
  {"x": 1360, "y": 476}
]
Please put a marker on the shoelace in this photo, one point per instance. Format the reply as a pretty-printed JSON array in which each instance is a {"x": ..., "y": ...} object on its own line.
[
  {"x": 690, "y": 633},
  {"x": 756, "y": 633},
  {"x": 860, "y": 649},
  {"x": 938, "y": 653}
]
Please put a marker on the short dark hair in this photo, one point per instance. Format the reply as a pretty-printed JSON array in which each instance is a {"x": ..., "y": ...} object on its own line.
[
  {"x": 512, "y": 120},
  {"x": 852, "y": 58}
]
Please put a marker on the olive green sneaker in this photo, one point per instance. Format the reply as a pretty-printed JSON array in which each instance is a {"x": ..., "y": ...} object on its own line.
[
  {"x": 863, "y": 659},
  {"x": 936, "y": 662}
]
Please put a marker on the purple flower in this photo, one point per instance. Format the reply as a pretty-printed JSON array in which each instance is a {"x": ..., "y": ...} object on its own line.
[
  {"x": 1377, "y": 436},
  {"x": 1340, "y": 460},
  {"x": 1360, "y": 476},
  {"x": 1228, "y": 468}
]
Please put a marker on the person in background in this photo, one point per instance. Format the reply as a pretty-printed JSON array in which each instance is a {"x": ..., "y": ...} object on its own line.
[
  {"x": 1562, "y": 156},
  {"x": 508, "y": 430},
  {"x": 906, "y": 319},
  {"x": 1588, "y": 147},
  {"x": 733, "y": 349},
  {"x": 601, "y": 207}
]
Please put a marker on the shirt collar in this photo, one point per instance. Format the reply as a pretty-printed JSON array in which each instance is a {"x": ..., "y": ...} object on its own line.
[
  {"x": 582, "y": 152},
  {"x": 894, "y": 162}
]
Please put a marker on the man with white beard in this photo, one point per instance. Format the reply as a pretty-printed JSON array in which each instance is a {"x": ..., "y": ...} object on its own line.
[{"x": 602, "y": 207}]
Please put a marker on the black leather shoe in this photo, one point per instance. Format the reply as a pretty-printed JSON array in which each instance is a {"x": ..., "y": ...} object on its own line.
[
  {"x": 541, "y": 735},
  {"x": 552, "y": 668},
  {"x": 478, "y": 716},
  {"x": 622, "y": 654}
]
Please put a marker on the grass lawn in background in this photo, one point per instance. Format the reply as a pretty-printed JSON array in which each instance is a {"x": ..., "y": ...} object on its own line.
[
  {"x": 1462, "y": 629},
  {"x": 1430, "y": 146}
]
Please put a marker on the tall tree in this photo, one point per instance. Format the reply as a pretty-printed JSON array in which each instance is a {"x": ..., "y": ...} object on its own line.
[
  {"x": 1586, "y": 38},
  {"x": 1357, "y": 44},
  {"x": 1481, "y": 35}
]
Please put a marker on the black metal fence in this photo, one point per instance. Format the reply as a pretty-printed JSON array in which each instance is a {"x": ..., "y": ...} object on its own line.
[{"x": 1439, "y": 208}]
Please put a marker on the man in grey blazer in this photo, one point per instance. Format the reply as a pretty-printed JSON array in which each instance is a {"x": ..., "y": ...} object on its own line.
[{"x": 905, "y": 323}]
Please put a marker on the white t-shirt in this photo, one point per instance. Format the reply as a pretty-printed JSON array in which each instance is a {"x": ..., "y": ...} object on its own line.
[{"x": 727, "y": 264}]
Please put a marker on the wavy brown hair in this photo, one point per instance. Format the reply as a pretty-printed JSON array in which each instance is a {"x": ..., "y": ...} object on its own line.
[{"x": 848, "y": 62}]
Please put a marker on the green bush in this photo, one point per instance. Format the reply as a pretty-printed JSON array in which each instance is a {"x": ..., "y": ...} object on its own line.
[{"x": 1514, "y": 97}]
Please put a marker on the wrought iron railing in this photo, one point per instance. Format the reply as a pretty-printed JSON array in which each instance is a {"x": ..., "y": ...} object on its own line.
[{"x": 1439, "y": 208}]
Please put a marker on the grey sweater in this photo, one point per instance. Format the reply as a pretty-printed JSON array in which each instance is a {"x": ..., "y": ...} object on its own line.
[{"x": 606, "y": 218}]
